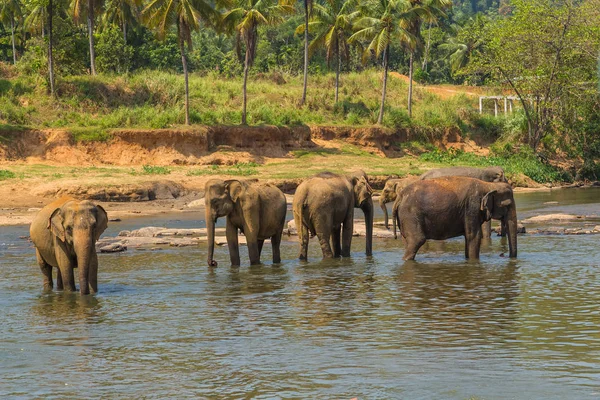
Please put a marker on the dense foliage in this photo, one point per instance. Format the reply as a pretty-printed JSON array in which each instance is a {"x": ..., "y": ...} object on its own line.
[{"x": 544, "y": 52}]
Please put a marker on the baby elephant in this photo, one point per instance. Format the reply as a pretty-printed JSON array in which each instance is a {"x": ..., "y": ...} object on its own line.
[
  {"x": 447, "y": 207},
  {"x": 64, "y": 234},
  {"x": 256, "y": 209}
]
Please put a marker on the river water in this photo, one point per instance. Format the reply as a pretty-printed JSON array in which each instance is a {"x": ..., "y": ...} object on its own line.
[{"x": 164, "y": 326}]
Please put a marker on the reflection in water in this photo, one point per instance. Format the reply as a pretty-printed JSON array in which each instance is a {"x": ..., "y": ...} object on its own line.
[{"x": 165, "y": 326}]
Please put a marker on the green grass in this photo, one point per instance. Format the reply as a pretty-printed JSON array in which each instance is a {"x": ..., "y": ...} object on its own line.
[
  {"x": 524, "y": 162},
  {"x": 155, "y": 99},
  {"x": 239, "y": 169},
  {"x": 5, "y": 174},
  {"x": 155, "y": 170}
]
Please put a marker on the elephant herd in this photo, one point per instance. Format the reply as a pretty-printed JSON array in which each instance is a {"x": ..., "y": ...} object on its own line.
[{"x": 441, "y": 204}]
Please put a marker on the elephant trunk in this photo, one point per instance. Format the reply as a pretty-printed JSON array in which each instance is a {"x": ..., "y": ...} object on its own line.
[
  {"x": 210, "y": 230},
  {"x": 385, "y": 211},
  {"x": 368, "y": 210},
  {"x": 511, "y": 228},
  {"x": 84, "y": 246},
  {"x": 395, "y": 219}
]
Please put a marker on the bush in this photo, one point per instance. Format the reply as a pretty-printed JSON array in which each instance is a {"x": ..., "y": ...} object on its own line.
[
  {"x": 112, "y": 53},
  {"x": 5, "y": 174}
]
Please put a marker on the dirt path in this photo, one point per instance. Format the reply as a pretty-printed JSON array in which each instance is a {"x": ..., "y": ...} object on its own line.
[{"x": 443, "y": 91}]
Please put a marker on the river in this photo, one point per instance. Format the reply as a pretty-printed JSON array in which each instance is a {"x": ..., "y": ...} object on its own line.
[{"x": 164, "y": 326}]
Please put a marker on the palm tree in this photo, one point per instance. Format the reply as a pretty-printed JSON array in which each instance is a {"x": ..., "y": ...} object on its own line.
[
  {"x": 10, "y": 12},
  {"x": 381, "y": 22},
  {"x": 78, "y": 9},
  {"x": 307, "y": 8},
  {"x": 121, "y": 13},
  {"x": 423, "y": 11},
  {"x": 332, "y": 25},
  {"x": 245, "y": 19},
  {"x": 161, "y": 15},
  {"x": 464, "y": 43}
]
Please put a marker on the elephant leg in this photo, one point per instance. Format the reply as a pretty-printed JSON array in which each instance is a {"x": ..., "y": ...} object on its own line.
[
  {"x": 486, "y": 229},
  {"x": 472, "y": 243},
  {"x": 59, "y": 282},
  {"x": 414, "y": 238},
  {"x": 231, "y": 233},
  {"x": 412, "y": 246},
  {"x": 93, "y": 272},
  {"x": 303, "y": 230},
  {"x": 347, "y": 232},
  {"x": 68, "y": 278},
  {"x": 335, "y": 238},
  {"x": 275, "y": 244},
  {"x": 503, "y": 228},
  {"x": 46, "y": 271},
  {"x": 260, "y": 244},
  {"x": 253, "y": 252}
]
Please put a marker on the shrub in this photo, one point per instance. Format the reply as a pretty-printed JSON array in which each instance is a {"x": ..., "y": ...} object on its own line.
[
  {"x": 112, "y": 53},
  {"x": 5, "y": 174}
]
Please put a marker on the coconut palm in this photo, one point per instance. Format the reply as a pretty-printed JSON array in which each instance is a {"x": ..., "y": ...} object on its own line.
[
  {"x": 10, "y": 14},
  {"x": 380, "y": 23},
  {"x": 332, "y": 26},
  {"x": 423, "y": 11},
  {"x": 88, "y": 8},
  {"x": 464, "y": 43},
  {"x": 244, "y": 19},
  {"x": 308, "y": 4},
  {"x": 185, "y": 15},
  {"x": 121, "y": 13}
]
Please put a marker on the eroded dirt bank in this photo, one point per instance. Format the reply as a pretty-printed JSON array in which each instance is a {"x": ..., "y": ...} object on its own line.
[{"x": 196, "y": 145}]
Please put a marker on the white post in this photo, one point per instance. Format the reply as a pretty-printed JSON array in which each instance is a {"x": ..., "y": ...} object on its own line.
[
  {"x": 480, "y": 105},
  {"x": 505, "y": 106},
  {"x": 495, "y": 107},
  {"x": 510, "y": 104}
]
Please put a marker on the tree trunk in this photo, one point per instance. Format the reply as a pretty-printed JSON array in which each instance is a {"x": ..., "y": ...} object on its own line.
[
  {"x": 410, "y": 83},
  {"x": 91, "y": 35},
  {"x": 337, "y": 71},
  {"x": 185, "y": 77},
  {"x": 305, "y": 53},
  {"x": 424, "y": 65},
  {"x": 246, "y": 68},
  {"x": 50, "y": 11},
  {"x": 12, "y": 34},
  {"x": 385, "y": 75},
  {"x": 124, "y": 30}
]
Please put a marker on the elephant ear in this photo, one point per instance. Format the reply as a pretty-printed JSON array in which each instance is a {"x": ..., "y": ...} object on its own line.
[
  {"x": 101, "y": 222},
  {"x": 55, "y": 224},
  {"x": 235, "y": 189},
  {"x": 487, "y": 205}
]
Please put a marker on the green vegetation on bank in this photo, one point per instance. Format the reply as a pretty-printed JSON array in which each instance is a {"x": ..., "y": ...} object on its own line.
[{"x": 88, "y": 105}]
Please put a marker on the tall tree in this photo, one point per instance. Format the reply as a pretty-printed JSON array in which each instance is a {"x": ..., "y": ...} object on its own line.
[
  {"x": 307, "y": 8},
  {"x": 422, "y": 11},
  {"x": 380, "y": 23},
  {"x": 10, "y": 14},
  {"x": 88, "y": 8},
  {"x": 121, "y": 13},
  {"x": 244, "y": 19},
  {"x": 185, "y": 15},
  {"x": 331, "y": 23}
]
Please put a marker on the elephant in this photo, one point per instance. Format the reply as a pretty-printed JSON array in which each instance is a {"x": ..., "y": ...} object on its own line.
[
  {"x": 392, "y": 187},
  {"x": 452, "y": 206},
  {"x": 64, "y": 234},
  {"x": 256, "y": 209},
  {"x": 489, "y": 174},
  {"x": 324, "y": 206}
]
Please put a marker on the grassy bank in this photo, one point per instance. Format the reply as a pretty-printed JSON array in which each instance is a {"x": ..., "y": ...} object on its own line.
[{"x": 154, "y": 99}]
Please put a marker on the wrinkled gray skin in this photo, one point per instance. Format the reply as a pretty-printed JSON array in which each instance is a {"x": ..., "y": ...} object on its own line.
[
  {"x": 256, "y": 209},
  {"x": 454, "y": 206},
  {"x": 324, "y": 206},
  {"x": 64, "y": 234}
]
